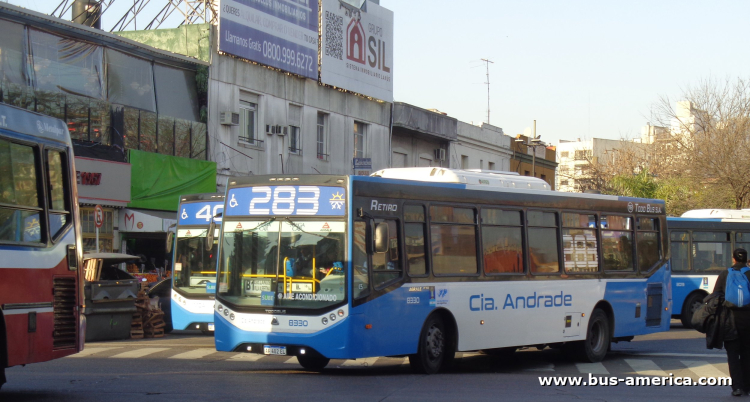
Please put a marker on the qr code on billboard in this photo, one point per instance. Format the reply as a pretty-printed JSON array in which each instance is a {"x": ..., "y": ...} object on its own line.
[{"x": 334, "y": 35}]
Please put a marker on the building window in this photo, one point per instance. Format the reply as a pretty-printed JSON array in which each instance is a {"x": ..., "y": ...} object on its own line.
[
  {"x": 563, "y": 154},
  {"x": 464, "y": 162},
  {"x": 491, "y": 165},
  {"x": 563, "y": 182},
  {"x": 543, "y": 177},
  {"x": 321, "y": 137},
  {"x": 249, "y": 124},
  {"x": 526, "y": 173},
  {"x": 295, "y": 142},
  {"x": 583, "y": 155},
  {"x": 359, "y": 140}
]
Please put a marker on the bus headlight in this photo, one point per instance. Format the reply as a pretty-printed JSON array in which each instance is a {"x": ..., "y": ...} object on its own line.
[
  {"x": 324, "y": 321},
  {"x": 226, "y": 312},
  {"x": 220, "y": 308},
  {"x": 341, "y": 313},
  {"x": 333, "y": 317},
  {"x": 231, "y": 316}
]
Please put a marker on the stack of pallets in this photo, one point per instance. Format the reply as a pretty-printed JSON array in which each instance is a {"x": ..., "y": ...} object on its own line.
[{"x": 148, "y": 321}]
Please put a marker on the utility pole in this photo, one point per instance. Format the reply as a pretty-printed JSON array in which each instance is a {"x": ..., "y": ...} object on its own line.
[{"x": 487, "y": 62}]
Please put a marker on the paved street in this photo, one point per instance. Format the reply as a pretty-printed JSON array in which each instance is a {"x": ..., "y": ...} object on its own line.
[{"x": 185, "y": 367}]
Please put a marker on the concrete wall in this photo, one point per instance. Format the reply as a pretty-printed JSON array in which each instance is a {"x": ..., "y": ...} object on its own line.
[
  {"x": 275, "y": 91},
  {"x": 486, "y": 144}
]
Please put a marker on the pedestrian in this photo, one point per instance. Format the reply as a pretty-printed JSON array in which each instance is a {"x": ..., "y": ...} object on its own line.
[{"x": 738, "y": 349}]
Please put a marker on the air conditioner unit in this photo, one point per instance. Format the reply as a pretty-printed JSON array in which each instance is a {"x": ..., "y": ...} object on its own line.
[
  {"x": 229, "y": 118},
  {"x": 285, "y": 130},
  {"x": 268, "y": 129},
  {"x": 440, "y": 154},
  {"x": 279, "y": 132}
]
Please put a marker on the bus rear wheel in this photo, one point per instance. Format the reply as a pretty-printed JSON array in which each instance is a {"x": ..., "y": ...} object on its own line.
[
  {"x": 692, "y": 303},
  {"x": 598, "y": 339},
  {"x": 431, "y": 351},
  {"x": 313, "y": 363}
]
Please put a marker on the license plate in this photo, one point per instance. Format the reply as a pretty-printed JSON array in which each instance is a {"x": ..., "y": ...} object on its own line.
[
  {"x": 274, "y": 350},
  {"x": 210, "y": 327}
]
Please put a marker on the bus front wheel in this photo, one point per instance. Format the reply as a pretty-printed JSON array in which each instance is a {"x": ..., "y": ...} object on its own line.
[
  {"x": 313, "y": 363},
  {"x": 597, "y": 342},
  {"x": 431, "y": 351},
  {"x": 692, "y": 303}
]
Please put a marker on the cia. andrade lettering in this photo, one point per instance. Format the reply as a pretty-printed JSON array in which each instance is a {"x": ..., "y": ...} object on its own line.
[{"x": 481, "y": 302}]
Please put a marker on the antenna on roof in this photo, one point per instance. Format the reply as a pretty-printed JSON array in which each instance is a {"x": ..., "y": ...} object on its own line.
[{"x": 487, "y": 62}]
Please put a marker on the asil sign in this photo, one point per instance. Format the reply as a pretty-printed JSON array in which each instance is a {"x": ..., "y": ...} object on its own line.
[{"x": 481, "y": 302}]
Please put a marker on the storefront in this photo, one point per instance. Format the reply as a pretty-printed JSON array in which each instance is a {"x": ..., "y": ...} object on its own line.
[
  {"x": 144, "y": 233},
  {"x": 105, "y": 183}
]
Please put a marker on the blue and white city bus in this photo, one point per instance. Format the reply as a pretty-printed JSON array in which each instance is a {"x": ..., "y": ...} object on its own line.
[
  {"x": 702, "y": 242},
  {"x": 424, "y": 262},
  {"x": 194, "y": 265}
]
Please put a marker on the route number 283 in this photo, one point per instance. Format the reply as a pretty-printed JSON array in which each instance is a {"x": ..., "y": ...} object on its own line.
[{"x": 285, "y": 200}]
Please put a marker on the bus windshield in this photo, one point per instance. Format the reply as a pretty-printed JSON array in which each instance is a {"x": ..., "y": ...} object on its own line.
[
  {"x": 195, "y": 267},
  {"x": 283, "y": 263}
]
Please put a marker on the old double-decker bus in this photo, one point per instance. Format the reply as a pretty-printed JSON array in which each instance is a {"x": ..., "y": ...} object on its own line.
[
  {"x": 40, "y": 284},
  {"x": 194, "y": 277},
  {"x": 425, "y": 262}
]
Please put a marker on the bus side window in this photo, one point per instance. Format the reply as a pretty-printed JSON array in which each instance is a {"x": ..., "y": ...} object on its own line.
[
  {"x": 414, "y": 235},
  {"x": 543, "y": 242},
  {"x": 18, "y": 188},
  {"x": 680, "y": 251},
  {"x": 360, "y": 274},
  {"x": 386, "y": 266},
  {"x": 647, "y": 244},
  {"x": 59, "y": 209}
]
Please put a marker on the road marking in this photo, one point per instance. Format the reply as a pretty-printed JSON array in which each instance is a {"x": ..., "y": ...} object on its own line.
[
  {"x": 194, "y": 354},
  {"x": 703, "y": 369},
  {"x": 368, "y": 362},
  {"x": 645, "y": 367},
  {"x": 592, "y": 368},
  {"x": 719, "y": 355},
  {"x": 245, "y": 357},
  {"x": 90, "y": 351},
  {"x": 139, "y": 353}
]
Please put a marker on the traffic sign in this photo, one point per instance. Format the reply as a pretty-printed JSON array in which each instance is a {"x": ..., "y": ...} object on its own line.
[{"x": 98, "y": 216}]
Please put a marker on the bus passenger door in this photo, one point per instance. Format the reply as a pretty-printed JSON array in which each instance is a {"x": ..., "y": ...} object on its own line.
[{"x": 381, "y": 309}]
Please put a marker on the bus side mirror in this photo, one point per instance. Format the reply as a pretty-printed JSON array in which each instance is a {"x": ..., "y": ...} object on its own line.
[
  {"x": 381, "y": 237},
  {"x": 210, "y": 235},
  {"x": 170, "y": 239}
]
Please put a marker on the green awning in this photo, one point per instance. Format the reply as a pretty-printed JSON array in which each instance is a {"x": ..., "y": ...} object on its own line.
[{"x": 159, "y": 180}]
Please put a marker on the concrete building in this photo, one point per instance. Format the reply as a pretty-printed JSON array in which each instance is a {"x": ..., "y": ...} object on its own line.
[
  {"x": 483, "y": 147},
  {"x": 575, "y": 158},
  {"x": 421, "y": 138},
  {"x": 534, "y": 159}
]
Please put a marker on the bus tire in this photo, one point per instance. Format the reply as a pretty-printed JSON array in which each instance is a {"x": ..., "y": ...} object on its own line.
[
  {"x": 598, "y": 338},
  {"x": 313, "y": 363},
  {"x": 432, "y": 347},
  {"x": 692, "y": 303}
]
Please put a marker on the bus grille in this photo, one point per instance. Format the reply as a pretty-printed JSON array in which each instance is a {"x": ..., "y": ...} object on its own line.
[{"x": 64, "y": 335}]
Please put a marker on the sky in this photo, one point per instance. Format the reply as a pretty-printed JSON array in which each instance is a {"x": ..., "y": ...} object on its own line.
[{"x": 581, "y": 69}]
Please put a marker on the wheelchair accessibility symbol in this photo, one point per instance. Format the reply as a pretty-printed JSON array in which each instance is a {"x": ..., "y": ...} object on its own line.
[
  {"x": 233, "y": 202},
  {"x": 184, "y": 214}
]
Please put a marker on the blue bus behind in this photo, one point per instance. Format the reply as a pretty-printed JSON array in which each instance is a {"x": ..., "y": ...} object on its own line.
[
  {"x": 194, "y": 264},
  {"x": 702, "y": 242}
]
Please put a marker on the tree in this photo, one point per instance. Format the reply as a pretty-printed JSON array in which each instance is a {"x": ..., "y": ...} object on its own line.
[{"x": 710, "y": 138}]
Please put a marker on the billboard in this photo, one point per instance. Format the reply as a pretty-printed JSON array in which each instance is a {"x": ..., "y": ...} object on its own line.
[
  {"x": 277, "y": 33},
  {"x": 357, "y": 48}
]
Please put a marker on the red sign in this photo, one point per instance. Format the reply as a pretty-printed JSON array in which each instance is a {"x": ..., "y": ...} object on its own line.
[
  {"x": 88, "y": 179},
  {"x": 98, "y": 216}
]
